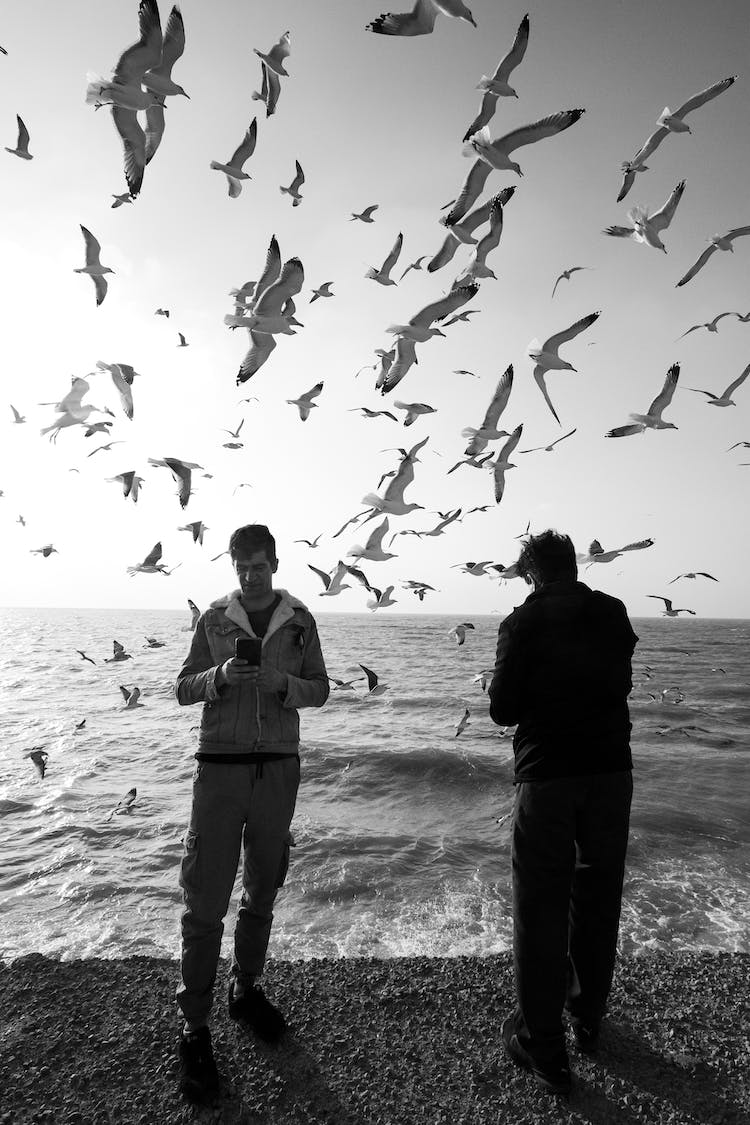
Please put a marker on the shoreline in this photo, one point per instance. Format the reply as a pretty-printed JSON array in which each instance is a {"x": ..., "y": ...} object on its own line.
[{"x": 402, "y": 1041}]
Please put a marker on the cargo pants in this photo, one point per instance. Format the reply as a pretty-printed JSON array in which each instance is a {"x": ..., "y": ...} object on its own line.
[{"x": 235, "y": 807}]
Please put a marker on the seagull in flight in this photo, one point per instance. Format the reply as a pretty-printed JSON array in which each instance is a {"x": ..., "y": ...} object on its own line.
[
  {"x": 718, "y": 242},
  {"x": 18, "y": 419},
  {"x": 668, "y": 611},
  {"x": 647, "y": 228},
  {"x": 458, "y": 632},
  {"x": 333, "y": 582},
  {"x": 421, "y": 19},
  {"x": 693, "y": 574},
  {"x": 22, "y": 144},
  {"x": 44, "y": 551},
  {"x": 119, "y": 654},
  {"x": 413, "y": 410},
  {"x": 233, "y": 169},
  {"x": 725, "y": 398},
  {"x": 497, "y": 85},
  {"x": 460, "y": 225},
  {"x": 496, "y": 154},
  {"x": 711, "y": 325},
  {"x": 94, "y": 267},
  {"x": 236, "y": 444},
  {"x": 374, "y": 687},
  {"x": 295, "y": 185},
  {"x": 152, "y": 642},
  {"x": 566, "y": 276},
  {"x": 270, "y": 89},
  {"x": 368, "y": 413},
  {"x": 393, "y": 502},
  {"x": 196, "y": 529},
  {"x": 382, "y": 275},
  {"x": 83, "y": 656},
  {"x": 547, "y": 359},
  {"x": 668, "y": 122},
  {"x": 477, "y": 266},
  {"x": 382, "y": 598},
  {"x": 415, "y": 265},
  {"x": 419, "y": 328},
  {"x": 131, "y": 697},
  {"x": 125, "y": 804},
  {"x": 597, "y": 554},
  {"x": 159, "y": 81},
  {"x": 463, "y": 722},
  {"x": 502, "y": 464},
  {"x": 130, "y": 482},
  {"x": 312, "y": 543},
  {"x": 366, "y": 215},
  {"x": 38, "y": 756},
  {"x": 373, "y": 548},
  {"x": 551, "y": 446},
  {"x": 274, "y": 60},
  {"x": 304, "y": 403},
  {"x": 653, "y": 419},
  {"x": 182, "y": 473},
  {"x": 323, "y": 290},
  {"x": 150, "y": 564},
  {"x": 488, "y": 430}
]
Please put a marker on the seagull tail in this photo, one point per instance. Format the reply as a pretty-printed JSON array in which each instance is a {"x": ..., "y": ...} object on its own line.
[{"x": 96, "y": 87}]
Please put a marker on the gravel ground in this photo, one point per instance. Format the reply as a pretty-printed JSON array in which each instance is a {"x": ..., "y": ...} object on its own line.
[{"x": 410, "y": 1041}]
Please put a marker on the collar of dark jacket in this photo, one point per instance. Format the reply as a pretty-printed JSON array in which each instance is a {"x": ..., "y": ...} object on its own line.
[
  {"x": 235, "y": 611},
  {"x": 555, "y": 589}
]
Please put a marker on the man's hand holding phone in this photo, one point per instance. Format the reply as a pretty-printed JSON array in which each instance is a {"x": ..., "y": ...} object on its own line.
[{"x": 246, "y": 667}]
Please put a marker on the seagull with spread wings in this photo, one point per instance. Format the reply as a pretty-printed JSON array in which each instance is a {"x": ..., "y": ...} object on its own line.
[
  {"x": 652, "y": 420},
  {"x": 18, "y": 419},
  {"x": 693, "y": 574},
  {"x": 373, "y": 548},
  {"x": 130, "y": 482},
  {"x": 94, "y": 267},
  {"x": 382, "y": 275},
  {"x": 647, "y": 228},
  {"x": 502, "y": 464},
  {"x": 725, "y": 398},
  {"x": 366, "y": 215},
  {"x": 461, "y": 229},
  {"x": 421, "y": 19},
  {"x": 182, "y": 473},
  {"x": 718, "y": 242},
  {"x": 295, "y": 185},
  {"x": 22, "y": 144},
  {"x": 668, "y": 122},
  {"x": 668, "y": 611},
  {"x": 304, "y": 403},
  {"x": 477, "y": 266},
  {"x": 710, "y": 325},
  {"x": 496, "y": 154},
  {"x": 333, "y": 582},
  {"x": 196, "y": 529},
  {"x": 546, "y": 356},
  {"x": 150, "y": 564},
  {"x": 566, "y": 276},
  {"x": 159, "y": 81},
  {"x": 419, "y": 327},
  {"x": 274, "y": 60},
  {"x": 497, "y": 85},
  {"x": 597, "y": 554},
  {"x": 488, "y": 430},
  {"x": 270, "y": 89},
  {"x": 393, "y": 502},
  {"x": 233, "y": 169}
]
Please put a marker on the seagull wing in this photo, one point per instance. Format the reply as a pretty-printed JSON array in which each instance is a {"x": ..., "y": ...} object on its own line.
[
  {"x": 288, "y": 283},
  {"x": 737, "y": 382},
  {"x": 438, "y": 310},
  {"x": 173, "y": 43},
  {"x": 23, "y": 136},
  {"x": 471, "y": 189},
  {"x": 486, "y": 112},
  {"x": 515, "y": 54},
  {"x": 556, "y": 341},
  {"x": 271, "y": 269},
  {"x": 392, "y": 257},
  {"x": 71, "y": 403},
  {"x": 398, "y": 484},
  {"x": 492, "y": 238},
  {"x": 246, "y": 148},
  {"x": 663, "y": 217},
  {"x": 626, "y": 431},
  {"x": 660, "y": 598},
  {"x": 182, "y": 474},
  {"x": 564, "y": 436},
  {"x": 539, "y": 373},
  {"x": 499, "y": 399},
  {"x": 731, "y": 234},
  {"x": 153, "y": 556},
  {"x": 299, "y": 179},
  {"x": 261, "y": 346},
  {"x": 639, "y": 546},
  {"x": 663, "y": 399},
  {"x": 406, "y": 355},
  {"x": 628, "y": 180},
  {"x": 704, "y": 96},
  {"x": 537, "y": 130},
  {"x": 146, "y": 53},
  {"x": 619, "y": 232},
  {"x": 376, "y": 537},
  {"x": 508, "y": 446},
  {"x": 93, "y": 249},
  {"x": 134, "y": 146},
  {"x": 698, "y": 264},
  {"x": 650, "y": 145},
  {"x": 419, "y": 21},
  {"x": 154, "y": 127}
]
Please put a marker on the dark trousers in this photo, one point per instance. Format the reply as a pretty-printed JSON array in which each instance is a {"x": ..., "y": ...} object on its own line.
[{"x": 570, "y": 837}]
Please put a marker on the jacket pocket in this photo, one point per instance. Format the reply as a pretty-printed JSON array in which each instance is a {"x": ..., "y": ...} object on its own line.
[
  {"x": 284, "y": 865},
  {"x": 189, "y": 871},
  {"x": 221, "y": 637}
]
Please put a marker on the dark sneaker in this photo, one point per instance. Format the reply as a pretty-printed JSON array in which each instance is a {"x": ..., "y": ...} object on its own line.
[
  {"x": 586, "y": 1035},
  {"x": 257, "y": 1011},
  {"x": 198, "y": 1076},
  {"x": 552, "y": 1075}
]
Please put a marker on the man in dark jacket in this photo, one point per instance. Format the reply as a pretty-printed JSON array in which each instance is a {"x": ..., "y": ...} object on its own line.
[
  {"x": 244, "y": 790},
  {"x": 563, "y": 674}
]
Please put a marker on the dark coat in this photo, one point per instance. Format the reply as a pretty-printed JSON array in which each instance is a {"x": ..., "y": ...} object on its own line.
[{"x": 563, "y": 674}]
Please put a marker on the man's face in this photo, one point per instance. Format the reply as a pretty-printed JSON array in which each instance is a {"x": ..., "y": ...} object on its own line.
[{"x": 255, "y": 573}]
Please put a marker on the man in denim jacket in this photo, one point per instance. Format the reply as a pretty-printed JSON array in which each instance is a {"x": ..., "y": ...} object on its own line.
[{"x": 244, "y": 790}]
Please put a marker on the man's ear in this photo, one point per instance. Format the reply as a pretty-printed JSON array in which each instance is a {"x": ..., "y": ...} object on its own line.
[{"x": 274, "y": 566}]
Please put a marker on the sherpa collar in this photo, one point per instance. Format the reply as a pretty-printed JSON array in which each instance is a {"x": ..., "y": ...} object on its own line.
[{"x": 235, "y": 611}]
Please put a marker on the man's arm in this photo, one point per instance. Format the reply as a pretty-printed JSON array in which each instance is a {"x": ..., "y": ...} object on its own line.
[
  {"x": 311, "y": 687},
  {"x": 196, "y": 680},
  {"x": 504, "y": 691}
]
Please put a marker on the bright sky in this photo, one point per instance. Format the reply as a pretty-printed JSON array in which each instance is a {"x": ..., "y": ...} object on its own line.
[{"x": 374, "y": 119}]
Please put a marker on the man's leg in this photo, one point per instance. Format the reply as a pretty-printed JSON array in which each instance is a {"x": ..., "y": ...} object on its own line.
[
  {"x": 543, "y": 856},
  {"x": 209, "y": 867},
  {"x": 601, "y": 843},
  {"x": 265, "y": 839}
]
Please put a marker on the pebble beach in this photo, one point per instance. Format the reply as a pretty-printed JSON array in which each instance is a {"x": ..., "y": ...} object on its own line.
[{"x": 401, "y": 1041}]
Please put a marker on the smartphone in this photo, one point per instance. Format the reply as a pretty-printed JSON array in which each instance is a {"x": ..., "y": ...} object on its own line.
[{"x": 248, "y": 648}]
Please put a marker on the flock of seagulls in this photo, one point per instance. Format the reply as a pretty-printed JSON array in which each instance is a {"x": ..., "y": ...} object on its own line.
[{"x": 137, "y": 95}]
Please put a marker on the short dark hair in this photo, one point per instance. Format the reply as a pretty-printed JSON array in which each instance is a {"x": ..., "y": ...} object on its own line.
[
  {"x": 250, "y": 538},
  {"x": 547, "y": 557}
]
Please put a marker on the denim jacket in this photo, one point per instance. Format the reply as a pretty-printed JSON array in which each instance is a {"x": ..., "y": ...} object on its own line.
[{"x": 239, "y": 718}]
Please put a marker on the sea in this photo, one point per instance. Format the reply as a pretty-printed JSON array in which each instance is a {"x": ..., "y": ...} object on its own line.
[{"x": 402, "y": 833}]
